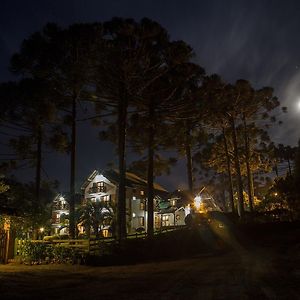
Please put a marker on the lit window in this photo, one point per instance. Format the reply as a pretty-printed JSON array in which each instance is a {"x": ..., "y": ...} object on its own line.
[
  {"x": 134, "y": 198},
  {"x": 141, "y": 221},
  {"x": 106, "y": 199},
  {"x": 98, "y": 187},
  {"x": 173, "y": 202},
  {"x": 105, "y": 232},
  {"x": 142, "y": 205},
  {"x": 165, "y": 220},
  {"x": 142, "y": 193},
  {"x": 157, "y": 221}
]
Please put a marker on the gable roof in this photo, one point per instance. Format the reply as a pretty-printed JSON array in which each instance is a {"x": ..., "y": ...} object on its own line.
[{"x": 132, "y": 180}]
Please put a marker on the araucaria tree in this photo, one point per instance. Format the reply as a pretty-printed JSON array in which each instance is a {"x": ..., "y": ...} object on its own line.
[
  {"x": 136, "y": 77},
  {"x": 64, "y": 59},
  {"x": 149, "y": 95},
  {"x": 240, "y": 113}
]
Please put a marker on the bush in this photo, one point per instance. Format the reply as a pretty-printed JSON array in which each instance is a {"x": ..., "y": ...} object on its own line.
[
  {"x": 63, "y": 254},
  {"x": 34, "y": 253},
  {"x": 39, "y": 253}
]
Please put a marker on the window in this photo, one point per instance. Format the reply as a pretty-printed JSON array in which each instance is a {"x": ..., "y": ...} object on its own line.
[
  {"x": 173, "y": 202},
  {"x": 98, "y": 187},
  {"x": 142, "y": 205},
  {"x": 106, "y": 199},
  {"x": 56, "y": 217},
  {"x": 142, "y": 193},
  {"x": 165, "y": 220},
  {"x": 105, "y": 232},
  {"x": 157, "y": 222},
  {"x": 141, "y": 221},
  {"x": 101, "y": 187}
]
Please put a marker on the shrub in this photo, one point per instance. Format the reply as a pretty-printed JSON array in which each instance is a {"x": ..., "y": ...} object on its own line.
[
  {"x": 38, "y": 253},
  {"x": 32, "y": 252},
  {"x": 63, "y": 254}
]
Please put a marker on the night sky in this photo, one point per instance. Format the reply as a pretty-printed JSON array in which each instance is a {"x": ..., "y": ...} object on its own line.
[{"x": 254, "y": 40}]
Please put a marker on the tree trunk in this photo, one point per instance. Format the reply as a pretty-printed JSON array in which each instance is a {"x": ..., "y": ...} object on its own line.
[
  {"x": 121, "y": 204},
  {"x": 37, "y": 200},
  {"x": 249, "y": 173},
  {"x": 223, "y": 193},
  {"x": 231, "y": 198},
  {"x": 38, "y": 166},
  {"x": 150, "y": 170},
  {"x": 238, "y": 171},
  {"x": 73, "y": 169},
  {"x": 276, "y": 170},
  {"x": 289, "y": 165},
  {"x": 189, "y": 162},
  {"x": 88, "y": 230}
]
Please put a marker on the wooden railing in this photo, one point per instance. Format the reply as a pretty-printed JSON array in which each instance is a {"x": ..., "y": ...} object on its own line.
[{"x": 89, "y": 246}]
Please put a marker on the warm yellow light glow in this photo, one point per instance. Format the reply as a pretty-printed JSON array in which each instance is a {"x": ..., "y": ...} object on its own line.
[
  {"x": 6, "y": 224},
  {"x": 197, "y": 202},
  {"x": 275, "y": 194},
  {"x": 42, "y": 229}
]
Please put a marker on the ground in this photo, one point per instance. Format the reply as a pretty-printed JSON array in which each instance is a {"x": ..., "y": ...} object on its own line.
[{"x": 266, "y": 269}]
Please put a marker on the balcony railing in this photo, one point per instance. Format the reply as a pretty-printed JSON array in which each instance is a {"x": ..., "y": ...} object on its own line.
[
  {"x": 60, "y": 207},
  {"x": 97, "y": 189}
]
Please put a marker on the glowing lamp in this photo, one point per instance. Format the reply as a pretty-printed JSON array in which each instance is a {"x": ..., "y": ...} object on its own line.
[{"x": 197, "y": 202}]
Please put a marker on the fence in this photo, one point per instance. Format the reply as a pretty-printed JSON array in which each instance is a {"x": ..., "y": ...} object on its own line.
[{"x": 87, "y": 246}]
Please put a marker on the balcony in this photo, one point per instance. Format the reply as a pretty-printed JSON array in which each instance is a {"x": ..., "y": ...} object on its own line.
[
  {"x": 97, "y": 189},
  {"x": 60, "y": 206}
]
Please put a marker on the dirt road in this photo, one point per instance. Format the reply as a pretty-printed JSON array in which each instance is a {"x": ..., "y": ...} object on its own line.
[
  {"x": 232, "y": 275},
  {"x": 268, "y": 269}
]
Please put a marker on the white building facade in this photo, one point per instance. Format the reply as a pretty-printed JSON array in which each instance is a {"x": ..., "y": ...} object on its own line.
[{"x": 102, "y": 187}]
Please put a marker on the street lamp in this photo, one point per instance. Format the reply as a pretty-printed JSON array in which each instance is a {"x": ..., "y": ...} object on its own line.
[{"x": 197, "y": 202}]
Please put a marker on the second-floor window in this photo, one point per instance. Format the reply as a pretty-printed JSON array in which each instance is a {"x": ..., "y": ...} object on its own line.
[
  {"x": 101, "y": 186},
  {"x": 98, "y": 187}
]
